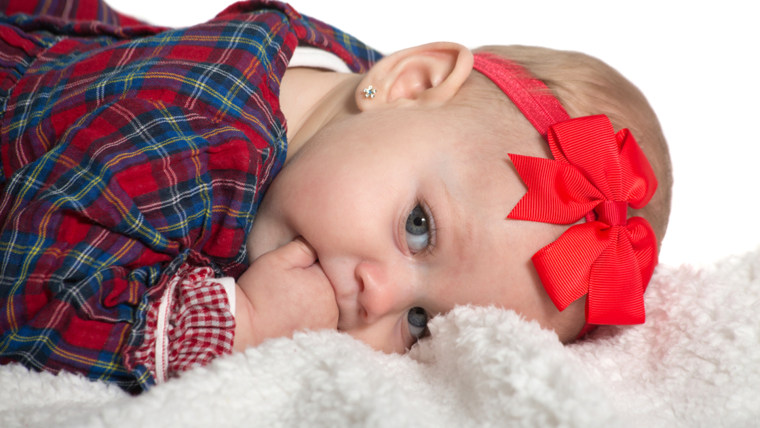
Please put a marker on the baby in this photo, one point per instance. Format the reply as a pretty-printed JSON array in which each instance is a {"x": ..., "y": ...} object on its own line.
[
  {"x": 418, "y": 197},
  {"x": 402, "y": 193}
]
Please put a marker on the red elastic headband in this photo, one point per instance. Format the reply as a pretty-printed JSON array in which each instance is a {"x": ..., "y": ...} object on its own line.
[{"x": 595, "y": 174}]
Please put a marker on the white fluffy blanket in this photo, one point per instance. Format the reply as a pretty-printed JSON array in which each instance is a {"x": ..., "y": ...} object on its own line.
[{"x": 696, "y": 362}]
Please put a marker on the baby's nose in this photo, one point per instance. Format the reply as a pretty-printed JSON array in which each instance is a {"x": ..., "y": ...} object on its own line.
[{"x": 381, "y": 290}]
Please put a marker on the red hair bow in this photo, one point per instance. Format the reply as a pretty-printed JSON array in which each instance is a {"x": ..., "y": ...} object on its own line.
[{"x": 597, "y": 174}]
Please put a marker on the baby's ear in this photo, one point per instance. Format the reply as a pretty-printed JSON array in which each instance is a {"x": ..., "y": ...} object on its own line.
[{"x": 427, "y": 74}]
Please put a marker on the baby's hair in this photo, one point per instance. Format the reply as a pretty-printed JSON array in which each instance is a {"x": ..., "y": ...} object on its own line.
[{"x": 587, "y": 86}]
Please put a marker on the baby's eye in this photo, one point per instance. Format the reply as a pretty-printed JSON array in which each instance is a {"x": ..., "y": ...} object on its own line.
[
  {"x": 417, "y": 230},
  {"x": 417, "y": 319}
]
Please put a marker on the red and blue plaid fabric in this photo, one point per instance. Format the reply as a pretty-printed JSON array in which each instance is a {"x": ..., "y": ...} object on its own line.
[{"x": 127, "y": 150}]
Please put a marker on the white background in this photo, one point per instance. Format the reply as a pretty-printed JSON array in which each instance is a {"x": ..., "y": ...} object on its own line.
[{"x": 697, "y": 62}]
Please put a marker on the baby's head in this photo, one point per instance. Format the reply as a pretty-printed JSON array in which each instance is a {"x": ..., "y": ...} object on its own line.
[
  {"x": 586, "y": 88},
  {"x": 405, "y": 197}
]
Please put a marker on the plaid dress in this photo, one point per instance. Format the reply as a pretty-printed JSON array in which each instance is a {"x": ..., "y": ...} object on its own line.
[{"x": 127, "y": 150}]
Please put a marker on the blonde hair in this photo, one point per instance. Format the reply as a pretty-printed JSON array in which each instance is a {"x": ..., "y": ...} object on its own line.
[{"x": 587, "y": 86}]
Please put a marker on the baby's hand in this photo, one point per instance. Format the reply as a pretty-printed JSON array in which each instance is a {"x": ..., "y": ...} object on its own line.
[{"x": 288, "y": 291}]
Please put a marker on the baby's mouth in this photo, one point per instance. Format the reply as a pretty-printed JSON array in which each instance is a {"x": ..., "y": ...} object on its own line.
[
  {"x": 335, "y": 295},
  {"x": 329, "y": 280},
  {"x": 345, "y": 291}
]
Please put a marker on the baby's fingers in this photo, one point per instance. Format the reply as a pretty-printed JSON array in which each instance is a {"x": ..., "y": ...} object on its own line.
[{"x": 295, "y": 254}]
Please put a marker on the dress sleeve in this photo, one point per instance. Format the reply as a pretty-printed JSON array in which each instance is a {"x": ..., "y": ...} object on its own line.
[
  {"x": 104, "y": 218},
  {"x": 190, "y": 325},
  {"x": 123, "y": 158}
]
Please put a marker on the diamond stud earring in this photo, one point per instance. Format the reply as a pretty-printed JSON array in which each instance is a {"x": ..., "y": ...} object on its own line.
[{"x": 369, "y": 92}]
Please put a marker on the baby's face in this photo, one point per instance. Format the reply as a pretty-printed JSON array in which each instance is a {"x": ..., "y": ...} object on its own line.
[{"x": 407, "y": 218}]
